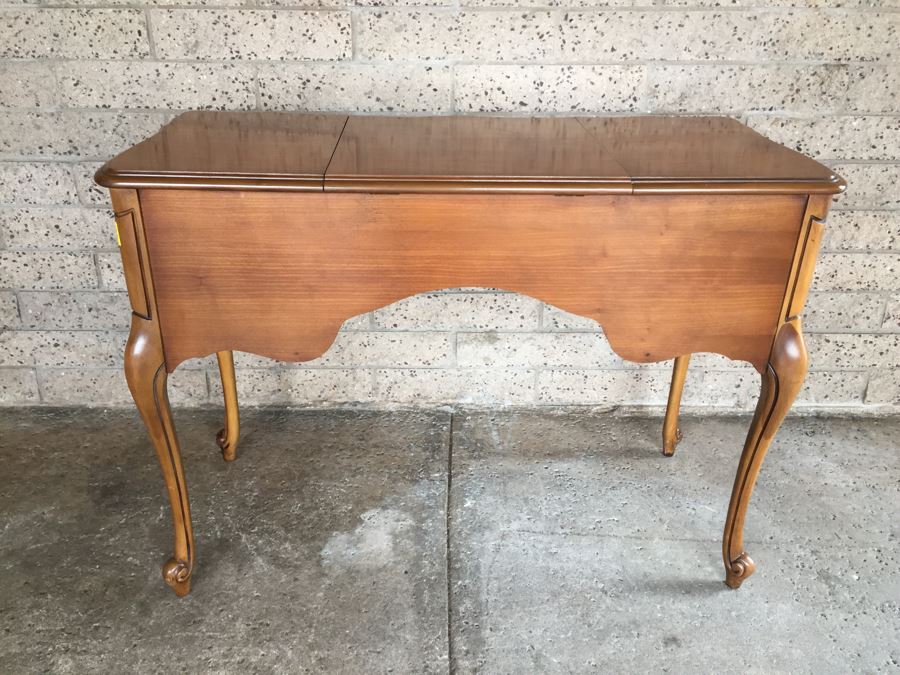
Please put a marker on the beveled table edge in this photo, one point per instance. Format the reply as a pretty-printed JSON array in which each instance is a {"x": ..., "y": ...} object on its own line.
[
  {"x": 110, "y": 178},
  {"x": 476, "y": 185}
]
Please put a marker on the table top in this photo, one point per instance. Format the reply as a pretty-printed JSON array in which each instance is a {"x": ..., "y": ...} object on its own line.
[{"x": 555, "y": 155}]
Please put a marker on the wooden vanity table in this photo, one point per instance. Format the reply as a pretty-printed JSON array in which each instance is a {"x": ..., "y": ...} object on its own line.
[{"x": 264, "y": 232}]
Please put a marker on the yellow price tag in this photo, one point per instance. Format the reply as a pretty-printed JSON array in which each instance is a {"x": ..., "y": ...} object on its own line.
[{"x": 118, "y": 238}]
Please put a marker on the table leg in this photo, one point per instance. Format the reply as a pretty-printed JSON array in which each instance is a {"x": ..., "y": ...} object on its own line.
[
  {"x": 145, "y": 371},
  {"x": 671, "y": 431},
  {"x": 780, "y": 385},
  {"x": 227, "y": 438}
]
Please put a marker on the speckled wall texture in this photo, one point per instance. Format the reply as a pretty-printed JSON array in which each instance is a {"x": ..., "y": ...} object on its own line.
[{"x": 83, "y": 79}]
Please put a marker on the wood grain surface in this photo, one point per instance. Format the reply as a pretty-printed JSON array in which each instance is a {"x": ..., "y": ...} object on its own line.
[
  {"x": 228, "y": 149},
  {"x": 276, "y": 274},
  {"x": 460, "y": 153},
  {"x": 684, "y": 150},
  {"x": 484, "y": 154}
]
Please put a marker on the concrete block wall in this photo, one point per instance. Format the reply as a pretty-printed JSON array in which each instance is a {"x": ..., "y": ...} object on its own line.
[{"x": 81, "y": 80}]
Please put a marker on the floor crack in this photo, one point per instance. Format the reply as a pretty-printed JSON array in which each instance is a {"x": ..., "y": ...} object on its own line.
[{"x": 450, "y": 663}]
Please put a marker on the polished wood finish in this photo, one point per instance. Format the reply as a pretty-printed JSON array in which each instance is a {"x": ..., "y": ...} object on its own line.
[
  {"x": 681, "y": 154},
  {"x": 781, "y": 382},
  {"x": 671, "y": 431},
  {"x": 264, "y": 233},
  {"x": 294, "y": 267},
  {"x": 492, "y": 154},
  {"x": 231, "y": 150},
  {"x": 227, "y": 438},
  {"x": 624, "y": 155},
  {"x": 145, "y": 371}
]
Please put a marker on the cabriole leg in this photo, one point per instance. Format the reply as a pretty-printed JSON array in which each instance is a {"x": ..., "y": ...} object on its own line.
[
  {"x": 780, "y": 385},
  {"x": 145, "y": 370},
  {"x": 227, "y": 438},
  {"x": 671, "y": 431}
]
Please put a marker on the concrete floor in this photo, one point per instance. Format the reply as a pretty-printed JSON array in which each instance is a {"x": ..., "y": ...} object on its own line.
[{"x": 574, "y": 546}]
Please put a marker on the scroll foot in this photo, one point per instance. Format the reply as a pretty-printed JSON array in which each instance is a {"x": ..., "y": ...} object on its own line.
[
  {"x": 177, "y": 574},
  {"x": 739, "y": 569}
]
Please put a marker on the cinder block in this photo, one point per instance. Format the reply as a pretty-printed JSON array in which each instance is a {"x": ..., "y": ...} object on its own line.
[
  {"x": 390, "y": 35},
  {"x": 557, "y": 319},
  {"x": 747, "y": 35},
  {"x": 468, "y": 387},
  {"x": 75, "y": 310},
  {"x": 56, "y": 228},
  {"x": 858, "y": 272},
  {"x": 30, "y": 183},
  {"x": 18, "y": 386},
  {"x": 838, "y": 35},
  {"x": 230, "y": 34},
  {"x": 358, "y": 86},
  {"x": 47, "y": 271},
  {"x": 75, "y": 133},
  {"x": 884, "y": 387},
  {"x": 870, "y": 137},
  {"x": 549, "y": 88},
  {"x": 89, "y": 192},
  {"x": 61, "y": 349},
  {"x": 27, "y": 84},
  {"x": 709, "y": 361},
  {"x": 724, "y": 89},
  {"x": 603, "y": 387},
  {"x": 853, "y": 351},
  {"x": 404, "y": 3},
  {"x": 732, "y": 388},
  {"x": 112, "y": 276},
  {"x": 842, "y": 388},
  {"x": 535, "y": 350},
  {"x": 667, "y": 35},
  {"x": 892, "y": 315},
  {"x": 157, "y": 85},
  {"x": 202, "y": 363},
  {"x": 30, "y": 33},
  {"x": 524, "y": 4},
  {"x": 461, "y": 311},
  {"x": 386, "y": 349},
  {"x": 247, "y": 361},
  {"x": 298, "y": 386},
  {"x": 305, "y": 4},
  {"x": 360, "y": 322},
  {"x": 826, "y": 312},
  {"x": 96, "y": 387},
  {"x": 874, "y": 88},
  {"x": 9, "y": 311},
  {"x": 869, "y": 186},
  {"x": 862, "y": 230}
]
